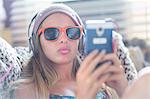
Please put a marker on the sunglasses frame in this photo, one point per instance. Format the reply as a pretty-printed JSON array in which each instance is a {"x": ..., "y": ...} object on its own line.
[{"x": 61, "y": 30}]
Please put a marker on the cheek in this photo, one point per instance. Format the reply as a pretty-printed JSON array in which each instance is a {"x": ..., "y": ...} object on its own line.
[
  {"x": 48, "y": 47},
  {"x": 51, "y": 53},
  {"x": 48, "y": 50}
]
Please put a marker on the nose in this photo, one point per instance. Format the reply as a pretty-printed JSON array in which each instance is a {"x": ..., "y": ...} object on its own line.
[{"x": 63, "y": 37}]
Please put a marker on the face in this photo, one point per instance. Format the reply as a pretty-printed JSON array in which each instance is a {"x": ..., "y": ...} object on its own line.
[{"x": 62, "y": 50}]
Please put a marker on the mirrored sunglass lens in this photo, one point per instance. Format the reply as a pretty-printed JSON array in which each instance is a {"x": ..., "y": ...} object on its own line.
[
  {"x": 73, "y": 33},
  {"x": 51, "y": 33}
]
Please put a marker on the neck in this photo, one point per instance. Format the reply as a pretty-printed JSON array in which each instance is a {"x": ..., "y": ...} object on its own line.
[{"x": 64, "y": 71}]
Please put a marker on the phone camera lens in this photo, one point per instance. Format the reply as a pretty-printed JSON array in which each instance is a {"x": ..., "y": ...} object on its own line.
[{"x": 100, "y": 29}]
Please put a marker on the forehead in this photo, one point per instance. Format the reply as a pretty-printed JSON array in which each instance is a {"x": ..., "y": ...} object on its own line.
[{"x": 58, "y": 19}]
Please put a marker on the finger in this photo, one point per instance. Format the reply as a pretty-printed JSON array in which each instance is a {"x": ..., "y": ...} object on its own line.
[
  {"x": 97, "y": 85},
  {"x": 112, "y": 57},
  {"x": 96, "y": 74},
  {"x": 99, "y": 71},
  {"x": 116, "y": 73},
  {"x": 87, "y": 60},
  {"x": 116, "y": 77},
  {"x": 94, "y": 63},
  {"x": 114, "y": 70}
]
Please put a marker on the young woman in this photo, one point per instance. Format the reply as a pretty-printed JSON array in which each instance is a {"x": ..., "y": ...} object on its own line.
[{"x": 55, "y": 67}]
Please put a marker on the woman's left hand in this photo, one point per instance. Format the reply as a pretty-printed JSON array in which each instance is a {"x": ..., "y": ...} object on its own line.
[{"x": 117, "y": 79}]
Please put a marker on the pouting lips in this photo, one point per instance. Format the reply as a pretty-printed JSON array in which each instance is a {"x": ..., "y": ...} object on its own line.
[{"x": 64, "y": 50}]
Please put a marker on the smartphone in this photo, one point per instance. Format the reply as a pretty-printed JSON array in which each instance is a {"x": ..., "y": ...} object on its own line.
[{"x": 98, "y": 36}]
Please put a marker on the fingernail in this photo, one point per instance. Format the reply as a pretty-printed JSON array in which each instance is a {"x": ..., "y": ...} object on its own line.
[
  {"x": 103, "y": 51},
  {"x": 95, "y": 51}
]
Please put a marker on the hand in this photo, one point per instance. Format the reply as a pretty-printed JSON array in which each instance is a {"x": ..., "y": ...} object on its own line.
[
  {"x": 117, "y": 79},
  {"x": 89, "y": 79}
]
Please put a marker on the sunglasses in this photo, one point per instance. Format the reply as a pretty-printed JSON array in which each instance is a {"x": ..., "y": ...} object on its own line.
[{"x": 52, "y": 33}]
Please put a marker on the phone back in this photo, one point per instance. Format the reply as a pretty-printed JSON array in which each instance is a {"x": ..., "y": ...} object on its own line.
[{"x": 98, "y": 36}]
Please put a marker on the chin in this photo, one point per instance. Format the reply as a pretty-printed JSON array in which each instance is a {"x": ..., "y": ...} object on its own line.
[{"x": 64, "y": 61}]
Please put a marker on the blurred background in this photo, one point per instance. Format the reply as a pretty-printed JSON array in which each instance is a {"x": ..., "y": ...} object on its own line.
[{"x": 132, "y": 17}]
